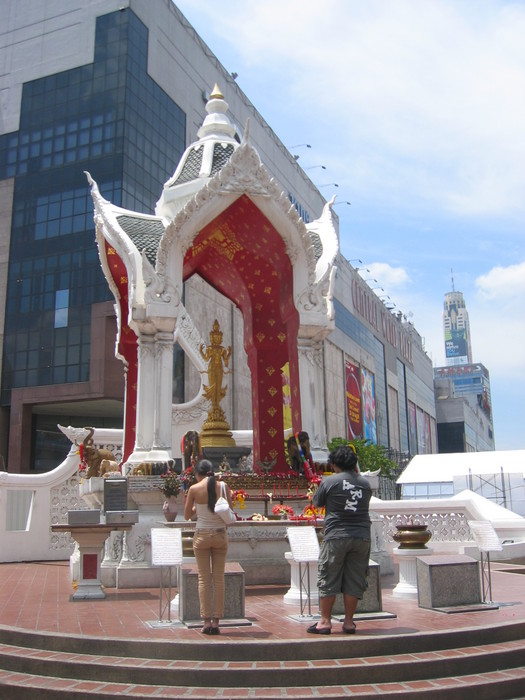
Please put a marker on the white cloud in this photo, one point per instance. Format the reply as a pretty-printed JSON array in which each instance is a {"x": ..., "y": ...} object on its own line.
[
  {"x": 433, "y": 94},
  {"x": 497, "y": 320},
  {"x": 417, "y": 111},
  {"x": 387, "y": 276},
  {"x": 504, "y": 283},
  {"x": 498, "y": 340}
]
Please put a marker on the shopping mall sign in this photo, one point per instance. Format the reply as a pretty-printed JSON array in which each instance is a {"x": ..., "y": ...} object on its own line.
[{"x": 368, "y": 306}]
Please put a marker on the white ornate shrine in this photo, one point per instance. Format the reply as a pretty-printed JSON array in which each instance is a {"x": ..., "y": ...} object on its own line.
[{"x": 220, "y": 215}]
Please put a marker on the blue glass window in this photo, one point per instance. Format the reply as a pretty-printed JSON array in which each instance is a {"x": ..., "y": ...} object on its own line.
[{"x": 77, "y": 120}]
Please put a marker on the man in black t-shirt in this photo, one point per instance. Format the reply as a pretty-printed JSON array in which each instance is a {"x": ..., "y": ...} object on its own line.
[{"x": 345, "y": 550}]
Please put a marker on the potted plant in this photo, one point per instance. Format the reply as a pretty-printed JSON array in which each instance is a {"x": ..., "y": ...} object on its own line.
[{"x": 170, "y": 487}]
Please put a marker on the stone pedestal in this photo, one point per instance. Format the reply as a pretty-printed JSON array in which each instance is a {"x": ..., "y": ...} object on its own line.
[
  {"x": 134, "y": 568},
  {"x": 188, "y": 598},
  {"x": 448, "y": 580},
  {"x": 379, "y": 552},
  {"x": 407, "y": 586},
  {"x": 90, "y": 539},
  {"x": 371, "y": 601},
  {"x": 232, "y": 454}
]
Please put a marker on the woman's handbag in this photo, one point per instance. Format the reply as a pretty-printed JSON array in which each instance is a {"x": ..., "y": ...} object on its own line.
[{"x": 222, "y": 508}]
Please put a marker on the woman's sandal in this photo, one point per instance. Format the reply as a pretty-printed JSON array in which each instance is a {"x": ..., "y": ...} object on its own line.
[
  {"x": 214, "y": 630},
  {"x": 314, "y": 629},
  {"x": 349, "y": 630},
  {"x": 208, "y": 630}
]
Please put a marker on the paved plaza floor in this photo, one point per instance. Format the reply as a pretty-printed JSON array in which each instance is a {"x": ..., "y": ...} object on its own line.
[{"x": 37, "y": 596}]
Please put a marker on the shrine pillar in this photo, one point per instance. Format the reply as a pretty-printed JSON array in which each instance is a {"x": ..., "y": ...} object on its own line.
[
  {"x": 311, "y": 379},
  {"x": 163, "y": 392},
  {"x": 154, "y": 383}
]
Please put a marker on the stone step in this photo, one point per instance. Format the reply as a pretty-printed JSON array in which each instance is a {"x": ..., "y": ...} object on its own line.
[
  {"x": 500, "y": 685},
  {"x": 400, "y": 665},
  {"x": 257, "y": 674},
  {"x": 311, "y": 647}
]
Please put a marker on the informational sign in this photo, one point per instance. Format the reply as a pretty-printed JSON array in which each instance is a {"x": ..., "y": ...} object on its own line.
[
  {"x": 166, "y": 546},
  {"x": 485, "y": 536},
  {"x": 115, "y": 494},
  {"x": 304, "y": 543}
]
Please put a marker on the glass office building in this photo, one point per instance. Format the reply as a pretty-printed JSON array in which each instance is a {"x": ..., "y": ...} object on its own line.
[
  {"x": 110, "y": 118},
  {"x": 118, "y": 88}
]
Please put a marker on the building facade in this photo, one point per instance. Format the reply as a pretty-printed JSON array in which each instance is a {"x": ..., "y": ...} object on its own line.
[
  {"x": 119, "y": 88},
  {"x": 464, "y": 408}
]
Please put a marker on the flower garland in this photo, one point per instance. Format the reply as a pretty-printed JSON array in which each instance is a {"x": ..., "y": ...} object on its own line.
[
  {"x": 239, "y": 497},
  {"x": 283, "y": 510},
  {"x": 308, "y": 464},
  {"x": 82, "y": 467},
  {"x": 257, "y": 517}
]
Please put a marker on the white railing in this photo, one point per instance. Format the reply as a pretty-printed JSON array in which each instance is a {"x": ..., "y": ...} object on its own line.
[
  {"x": 31, "y": 503},
  {"x": 447, "y": 519}
]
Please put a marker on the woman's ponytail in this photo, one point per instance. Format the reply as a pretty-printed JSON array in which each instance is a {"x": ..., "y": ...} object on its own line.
[{"x": 205, "y": 468}]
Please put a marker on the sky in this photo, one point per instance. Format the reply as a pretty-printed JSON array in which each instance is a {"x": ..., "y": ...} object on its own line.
[{"x": 416, "y": 110}]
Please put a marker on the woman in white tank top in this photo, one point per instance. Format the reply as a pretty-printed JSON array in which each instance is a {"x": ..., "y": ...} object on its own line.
[{"x": 210, "y": 543}]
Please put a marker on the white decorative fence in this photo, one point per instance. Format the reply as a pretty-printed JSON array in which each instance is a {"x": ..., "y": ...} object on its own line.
[
  {"x": 31, "y": 503},
  {"x": 448, "y": 519}
]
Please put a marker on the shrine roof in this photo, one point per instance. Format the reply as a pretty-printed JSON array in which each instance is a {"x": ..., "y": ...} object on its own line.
[
  {"x": 144, "y": 233},
  {"x": 193, "y": 162},
  {"x": 317, "y": 244}
]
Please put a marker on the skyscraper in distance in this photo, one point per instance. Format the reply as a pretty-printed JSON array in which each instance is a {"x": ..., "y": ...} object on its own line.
[
  {"x": 462, "y": 388},
  {"x": 456, "y": 327}
]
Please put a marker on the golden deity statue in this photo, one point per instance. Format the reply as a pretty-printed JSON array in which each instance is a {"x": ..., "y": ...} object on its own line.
[{"x": 216, "y": 431}]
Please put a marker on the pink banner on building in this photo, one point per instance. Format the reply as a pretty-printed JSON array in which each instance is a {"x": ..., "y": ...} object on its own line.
[
  {"x": 412, "y": 428},
  {"x": 353, "y": 401}
]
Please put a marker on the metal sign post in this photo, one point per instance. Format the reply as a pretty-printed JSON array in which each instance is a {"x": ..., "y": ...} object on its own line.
[
  {"x": 305, "y": 549},
  {"x": 487, "y": 541},
  {"x": 166, "y": 552}
]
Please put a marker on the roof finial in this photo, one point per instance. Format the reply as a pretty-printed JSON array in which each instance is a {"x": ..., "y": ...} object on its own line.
[
  {"x": 216, "y": 125},
  {"x": 216, "y": 93},
  {"x": 452, "y": 275}
]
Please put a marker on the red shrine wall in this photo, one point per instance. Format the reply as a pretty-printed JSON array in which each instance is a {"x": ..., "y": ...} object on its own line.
[{"x": 243, "y": 257}]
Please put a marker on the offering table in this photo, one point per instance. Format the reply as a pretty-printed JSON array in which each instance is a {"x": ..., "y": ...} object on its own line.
[{"x": 90, "y": 539}]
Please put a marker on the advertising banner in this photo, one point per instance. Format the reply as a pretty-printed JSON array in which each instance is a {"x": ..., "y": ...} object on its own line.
[
  {"x": 420, "y": 432},
  {"x": 456, "y": 345},
  {"x": 412, "y": 428},
  {"x": 287, "y": 397},
  {"x": 353, "y": 401},
  {"x": 428, "y": 435},
  {"x": 368, "y": 398}
]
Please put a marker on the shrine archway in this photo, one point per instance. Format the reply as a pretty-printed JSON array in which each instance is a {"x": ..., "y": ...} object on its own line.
[{"x": 242, "y": 256}]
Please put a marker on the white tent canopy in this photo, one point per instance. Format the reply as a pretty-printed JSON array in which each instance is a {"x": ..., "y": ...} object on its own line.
[
  {"x": 498, "y": 476},
  {"x": 444, "y": 467}
]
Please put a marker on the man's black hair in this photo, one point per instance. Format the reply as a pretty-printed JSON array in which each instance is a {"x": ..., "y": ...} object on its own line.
[{"x": 345, "y": 458}]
